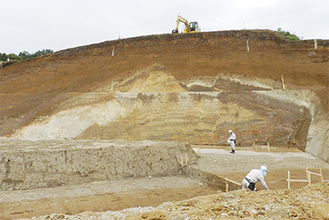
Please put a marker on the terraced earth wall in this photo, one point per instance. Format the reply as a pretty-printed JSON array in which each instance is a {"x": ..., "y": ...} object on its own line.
[{"x": 35, "y": 164}]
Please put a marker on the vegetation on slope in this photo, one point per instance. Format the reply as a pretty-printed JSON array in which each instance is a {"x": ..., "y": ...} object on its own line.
[
  {"x": 288, "y": 35},
  {"x": 24, "y": 55}
]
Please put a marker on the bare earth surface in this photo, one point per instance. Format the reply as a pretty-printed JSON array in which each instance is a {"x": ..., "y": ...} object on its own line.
[
  {"x": 185, "y": 88},
  {"x": 151, "y": 192}
]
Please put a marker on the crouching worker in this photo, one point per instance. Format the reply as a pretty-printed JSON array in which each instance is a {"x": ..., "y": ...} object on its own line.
[{"x": 253, "y": 177}]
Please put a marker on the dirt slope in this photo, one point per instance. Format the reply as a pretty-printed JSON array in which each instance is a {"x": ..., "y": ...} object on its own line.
[{"x": 154, "y": 86}]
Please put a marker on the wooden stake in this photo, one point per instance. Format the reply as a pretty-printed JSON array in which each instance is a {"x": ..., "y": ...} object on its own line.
[
  {"x": 226, "y": 184},
  {"x": 247, "y": 46},
  {"x": 315, "y": 44},
  {"x": 283, "y": 86},
  {"x": 268, "y": 146},
  {"x": 232, "y": 181},
  {"x": 113, "y": 51},
  {"x": 295, "y": 180},
  {"x": 307, "y": 174},
  {"x": 288, "y": 179},
  {"x": 309, "y": 178},
  {"x": 186, "y": 159}
]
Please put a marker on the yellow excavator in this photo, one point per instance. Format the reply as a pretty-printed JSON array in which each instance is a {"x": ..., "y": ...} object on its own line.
[{"x": 191, "y": 27}]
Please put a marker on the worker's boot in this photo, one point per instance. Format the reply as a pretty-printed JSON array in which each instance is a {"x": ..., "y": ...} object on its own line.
[{"x": 232, "y": 152}]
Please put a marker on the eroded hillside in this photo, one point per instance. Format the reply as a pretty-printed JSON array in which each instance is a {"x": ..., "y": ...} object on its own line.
[{"x": 175, "y": 87}]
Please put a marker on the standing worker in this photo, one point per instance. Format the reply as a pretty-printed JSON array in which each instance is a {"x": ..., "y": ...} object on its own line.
[
  {"x": 253, "y": 177},
  {"x": 232, "y": 140}
]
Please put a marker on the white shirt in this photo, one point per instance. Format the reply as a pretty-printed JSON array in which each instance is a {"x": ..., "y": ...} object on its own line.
[
  {"x": 256, "y": 175},
  {"x": 231, "y": 138}
]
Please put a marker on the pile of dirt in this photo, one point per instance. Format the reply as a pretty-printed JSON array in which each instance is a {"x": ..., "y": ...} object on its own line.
[{"x": 310, "y": 202}]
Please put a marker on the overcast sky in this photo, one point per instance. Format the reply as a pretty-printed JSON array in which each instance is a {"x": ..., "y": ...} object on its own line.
[{"x": 31, "y": 25}]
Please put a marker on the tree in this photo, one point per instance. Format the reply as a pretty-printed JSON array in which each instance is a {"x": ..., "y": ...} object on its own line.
[
  {"x": 24, "y": 55},
  {"x": 288, "y": 35},
  {"x": 42, "y": 52},
  {"x": 13, "y": 56},
  {"x": 3, "y": 57}
]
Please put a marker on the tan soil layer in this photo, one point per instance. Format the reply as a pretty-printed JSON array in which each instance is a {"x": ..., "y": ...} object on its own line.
[{"x": 145, "y": 192}]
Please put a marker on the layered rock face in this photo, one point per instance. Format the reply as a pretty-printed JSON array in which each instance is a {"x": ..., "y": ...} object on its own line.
[
  {"x": 176, "y": 114},
  {"x": 34, "y": 164},
  {"x": 185, "y": 88}
]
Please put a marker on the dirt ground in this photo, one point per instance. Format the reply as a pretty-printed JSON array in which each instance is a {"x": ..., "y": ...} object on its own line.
[
  {"x": 219, "y": 161},
  {"x": 99, "y": 196},
  {"x": 154, "y": 191}
]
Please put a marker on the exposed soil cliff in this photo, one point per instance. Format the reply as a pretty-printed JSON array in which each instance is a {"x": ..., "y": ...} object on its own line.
[{"x": 175, "y": 87}]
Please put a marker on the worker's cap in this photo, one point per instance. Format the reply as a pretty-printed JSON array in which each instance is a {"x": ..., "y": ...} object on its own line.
[
  {"x": 263, "y": 168},
  {"x": 229, "y": 131}
]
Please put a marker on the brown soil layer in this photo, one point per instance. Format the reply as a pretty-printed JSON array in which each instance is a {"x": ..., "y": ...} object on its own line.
[{"x": 48, "y": 81}]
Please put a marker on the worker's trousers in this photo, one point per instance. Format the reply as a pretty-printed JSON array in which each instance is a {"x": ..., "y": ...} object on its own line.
[
  {"x": 232, "y": 145},
  {"x": 245, "y": 184}
]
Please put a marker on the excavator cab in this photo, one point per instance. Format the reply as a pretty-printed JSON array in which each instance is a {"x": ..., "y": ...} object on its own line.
[{"x": 193, "y": 26}]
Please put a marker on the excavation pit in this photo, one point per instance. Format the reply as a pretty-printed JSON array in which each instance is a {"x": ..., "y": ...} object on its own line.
[{"x": 114, "y": 175}]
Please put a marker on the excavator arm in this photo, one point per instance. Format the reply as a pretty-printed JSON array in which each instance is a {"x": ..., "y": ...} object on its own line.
[{"x": 184, "y": 21}]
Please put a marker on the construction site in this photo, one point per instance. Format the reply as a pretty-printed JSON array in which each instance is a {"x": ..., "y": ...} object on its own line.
[{"x": 137, "y": 128}]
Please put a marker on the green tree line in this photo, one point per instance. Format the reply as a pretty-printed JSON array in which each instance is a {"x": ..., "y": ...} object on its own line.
[{"x": 24, "y": 55}]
